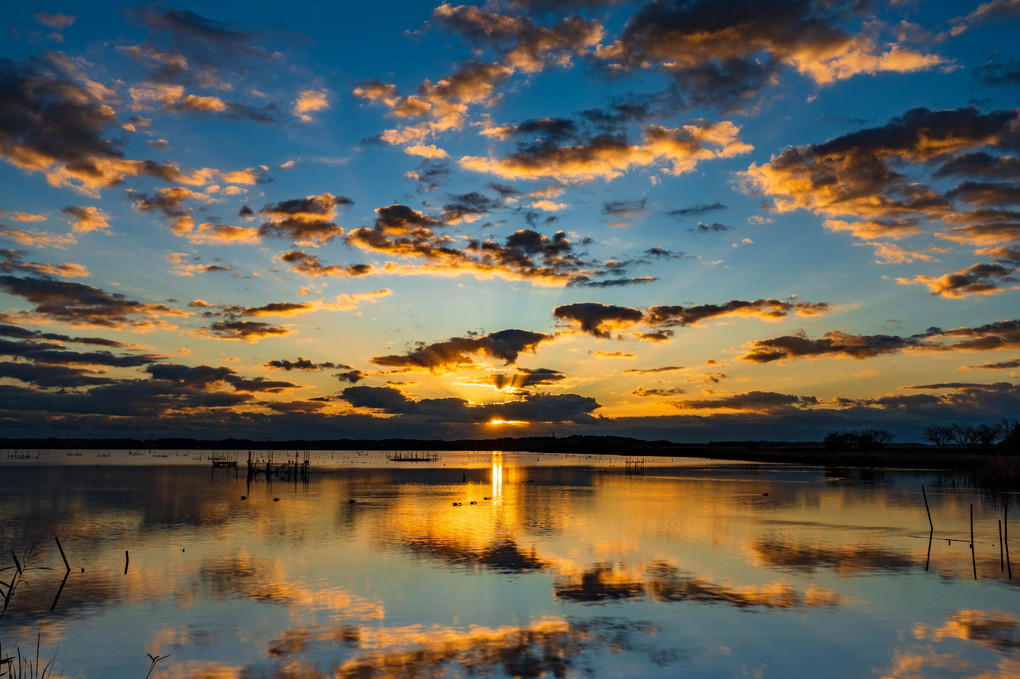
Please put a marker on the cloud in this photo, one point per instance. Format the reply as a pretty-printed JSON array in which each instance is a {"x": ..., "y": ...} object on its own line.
[
  {"x": 523, "y": 44},
  {"x": 11, "y": 261},
  {"x": 599, "y": 320},
  {"x": 651, "y": 371},
  {"x": 767, "y": 309},
  {"x": 86, "y": 218},
  {"x": 834, "y": 343},
  {"x": 1000, "y": 365},
  {"x": 504, "y": 345},
  {"x": 178, "y": 261},
  {"x": 863, "y": 177},
  {"x": 979, "y": 279},
  {"x": 38, "y": 239},
  {"x": 468, "y": 207},
  {"x": 84, "y": 305},
  {"x": 55, "y": 20},
  {"x": 305, "y": 221},
  {"x": 301, "y": 262},
  {"x": 51, "y": 376},
  {"x": 52, "y": 124},
  {"x": 752, "y": 401},
  {"x": 606, "y": 156},
  {"x": 642, "y": 392},
  {"x": 624, "y": 208},
  {"x": 532, "y": 408},
  {"x": 311, "y": 101},
  {"x": 301, "y": 363},
  {"x": 248, "y": 331},
  {"x": 524, "y": 255},
  {"x": 722, "y": 53},
  {"x": 991, "y": 337},
  {"x": 999, "y": 74}
]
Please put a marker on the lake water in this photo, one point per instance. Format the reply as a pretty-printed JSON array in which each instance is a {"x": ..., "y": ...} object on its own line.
[{"x": 494, "y": 565}]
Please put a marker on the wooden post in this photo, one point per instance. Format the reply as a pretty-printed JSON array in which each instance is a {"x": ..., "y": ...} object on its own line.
[
  {"x": 66, "y": 565},
  {"x": 925, "y": 495},
  {"x": 1002, "y": 563},
  {"x": 1005, "y": 539},
  {"x": 973, "y": 559},
  {"x": 127, "y": 560}
]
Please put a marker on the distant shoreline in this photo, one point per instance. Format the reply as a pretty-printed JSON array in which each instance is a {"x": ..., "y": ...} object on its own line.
[{"x": 910, "y": 455}]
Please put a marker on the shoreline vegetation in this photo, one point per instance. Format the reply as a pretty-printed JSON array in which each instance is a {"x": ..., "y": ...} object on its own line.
[{"x": 988, "y": 463}]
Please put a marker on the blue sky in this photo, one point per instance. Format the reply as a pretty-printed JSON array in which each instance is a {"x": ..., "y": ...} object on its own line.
[{"x": 683, "y": 220}]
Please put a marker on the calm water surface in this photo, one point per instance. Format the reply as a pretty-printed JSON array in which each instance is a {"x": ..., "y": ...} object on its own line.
[{"x": 495, "y": 565}]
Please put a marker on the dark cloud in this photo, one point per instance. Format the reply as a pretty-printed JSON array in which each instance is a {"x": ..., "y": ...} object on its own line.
[
  {"x": 203, "y": 377},
  {"x": 212, "y": 45},
  {"x": 51, "y": 376},
  {"x": 657, "y": 393},
  {"x": 260, "y": 384},
  {"x": 980, "y": 164},
  {"x": 301, "y": 363},
  {"x": 993, "y": 336},
  {"x": 714, "y": 227},
  {"x": 524, "y": 255},
  {"x": 310, "y": 265},
  {"x": 584, "y": 282},
  {"x": 597, "y": 319},
  {"x": 979, "y": 279},
  {"x": 670, "y": 316},
  {"x": 192, "y": 377},
  {"x": 271, "y": 309},
  {"x": 51, "y": 124},
  {"x": 862, "y": 176},
  {"x": 524, "y": 378},
  {"x": 1000, "y": 365},
  {"x": 12, "y": 261},
  {"x": 696, "y": 210},
  {"x": 23, "y": 333},
  {"x": 624, "y": 208},
  {"x": 723, "y": 52},
  {"x": 431, "y": 174},
  {"x": 80, "y": 304},
  {"x": 650, "y": 371},
  {"x": 305, "y": 219},
  {"x": 522, "y": 43},
  {"x": 53, "y": 354},
  {"x": 467, "y": 207},
  {"x": 249, "y": 331},
  {"x": 833, "y": 343},
  {"x": 504, "y": 345},
  {"x": 999, "y": 74},
  {"x": 753, "y": 401},
  {"x": 352, "y": 376}
]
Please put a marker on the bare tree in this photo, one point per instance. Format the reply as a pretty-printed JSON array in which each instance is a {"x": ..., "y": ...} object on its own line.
[{"x": 939, "y": 435}]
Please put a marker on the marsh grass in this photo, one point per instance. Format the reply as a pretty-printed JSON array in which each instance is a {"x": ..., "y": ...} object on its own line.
[{"x": 20, "y": 666}]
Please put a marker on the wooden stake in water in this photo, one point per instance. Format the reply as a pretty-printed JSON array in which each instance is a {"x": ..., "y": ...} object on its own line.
[
  {"x": 127, "y": 560},
  {"x": 1005, "y": 539},
  {"x": 930, "y": 524},
  {"x": 973, "y": 559},
  {"x": 66, "y": 565},
  {"x": 1002, "y": 564}
]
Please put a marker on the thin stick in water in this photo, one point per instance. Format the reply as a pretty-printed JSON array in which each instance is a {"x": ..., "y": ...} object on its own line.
[
  {"x": 127, "y": 560},
  {"x": 930, "y": 524},
  {"x": 1005, "y": 539},
  {"x": 1002, "y": 563},
  {"x": 66, "y": 565},
  {"x": 973, "y": 559}
]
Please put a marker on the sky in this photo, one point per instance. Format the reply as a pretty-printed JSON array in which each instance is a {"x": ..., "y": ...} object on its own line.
[{"x": 695, "y": 221}]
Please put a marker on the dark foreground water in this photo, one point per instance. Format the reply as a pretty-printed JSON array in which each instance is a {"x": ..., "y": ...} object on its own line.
[{"x": 495, "y": 565}]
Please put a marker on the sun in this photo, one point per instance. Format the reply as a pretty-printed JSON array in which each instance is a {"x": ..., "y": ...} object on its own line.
[{"x": 497, "y": 422}]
